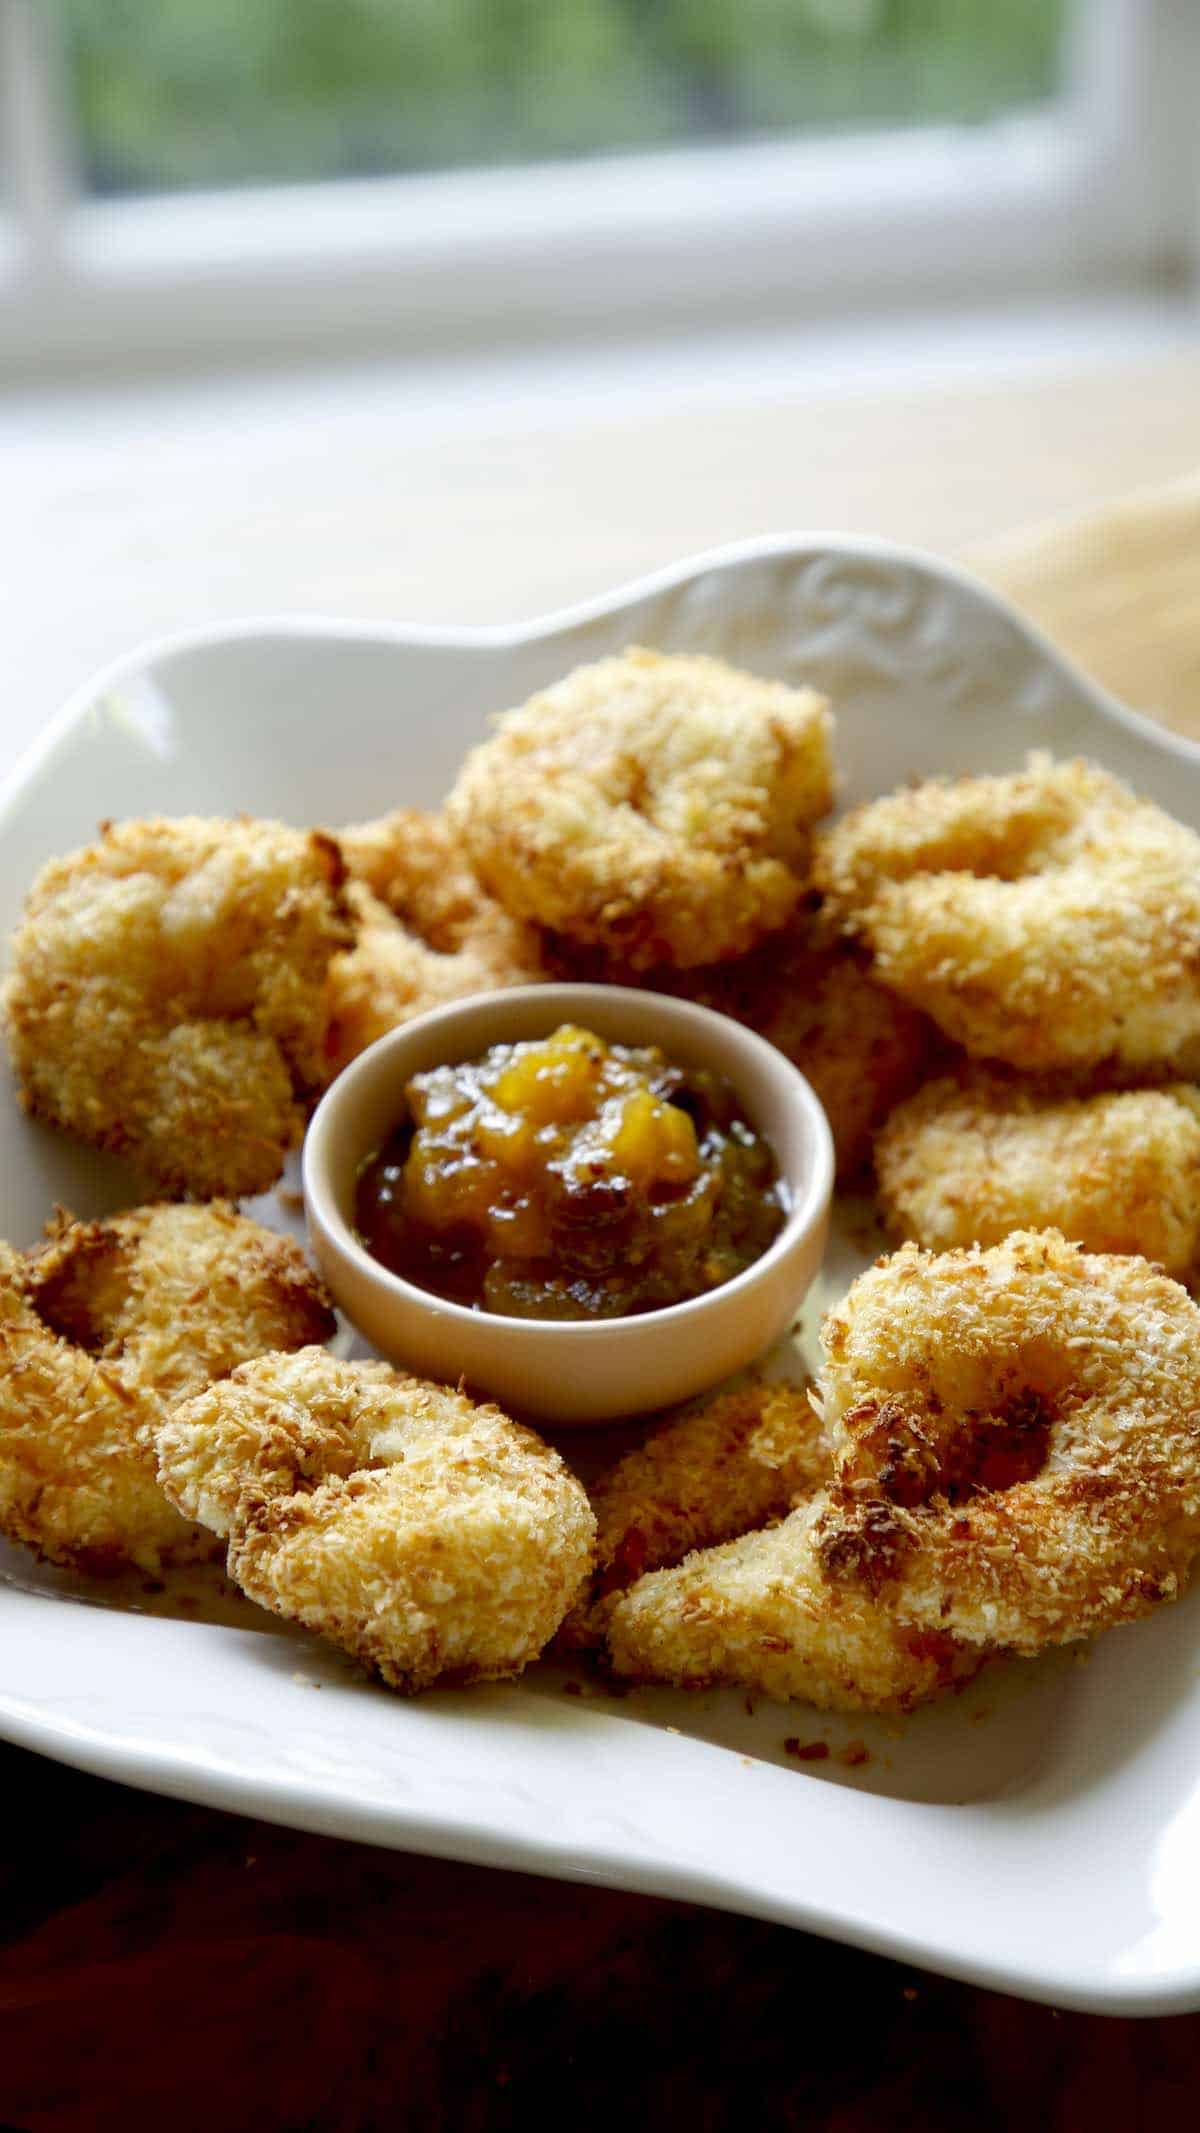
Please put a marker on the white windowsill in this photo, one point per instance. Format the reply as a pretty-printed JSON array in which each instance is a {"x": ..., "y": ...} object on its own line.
[
  {"x": 706, "y": 238},
  {"x": 615, "y": 378}
]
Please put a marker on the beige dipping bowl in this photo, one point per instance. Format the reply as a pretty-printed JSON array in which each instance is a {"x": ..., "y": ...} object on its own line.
[{"x": 577, "y": 1370}]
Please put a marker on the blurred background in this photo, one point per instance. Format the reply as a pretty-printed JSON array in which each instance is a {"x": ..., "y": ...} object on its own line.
[
  {"x": 206, "y": 92},
  {"x": 457, "y": 309}
]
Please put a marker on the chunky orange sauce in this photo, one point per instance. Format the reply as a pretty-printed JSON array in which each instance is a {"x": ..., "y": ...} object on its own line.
[{"x": 570, "y": 1178}]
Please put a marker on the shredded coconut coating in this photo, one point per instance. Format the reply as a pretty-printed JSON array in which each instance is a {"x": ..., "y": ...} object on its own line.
[
  {"x": 99, "y": 1331},
  {"x": 413, "y": 862},
  {"x": 167, "y": 996},
  {"x": 759, "y": 1613},
  {"x": 656, "y": 807},
  {"x": 429, "y": 1536},
  {"x": 424, "y": 932},
  {"x": 1016, "y": 1440},
  {"x": 1046, "y": 918},
  {"x": 862, "y": 1048},
  {"x": 717, "y": 1470},
  {"x": 971, "y": 1158}
]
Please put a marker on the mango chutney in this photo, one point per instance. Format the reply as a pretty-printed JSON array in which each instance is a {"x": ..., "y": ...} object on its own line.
[{"x": 570, "y": 1178}]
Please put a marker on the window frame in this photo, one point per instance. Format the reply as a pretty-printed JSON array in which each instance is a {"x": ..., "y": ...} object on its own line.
[{"x": 1098, "y": 190}]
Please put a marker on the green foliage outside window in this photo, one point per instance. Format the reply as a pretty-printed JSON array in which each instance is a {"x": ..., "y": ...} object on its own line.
[{"x": 212, "y": 92}]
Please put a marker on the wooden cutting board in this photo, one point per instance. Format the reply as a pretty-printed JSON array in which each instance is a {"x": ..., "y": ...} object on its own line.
[{"x": 1120, "y": 591}]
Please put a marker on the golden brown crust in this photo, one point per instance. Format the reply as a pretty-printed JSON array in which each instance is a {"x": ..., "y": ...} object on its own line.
[
  {"x": 99, "y": 1332},
  {"x": 428, "y": 1535},
  {"x": 656, "y": 807},
  {"x": 1046, "y": 918},
  {"x": 862, "y": 1048},
  {"x": 718, "y": 1470},
  {"x": 1015, "y": 1446},
  {"x": 414, "y": 864},
  {"x": 973, "y": 1157},
  {"x": 166, "y": 998},
  {"x": 1016, "y": 1440},
  {"x": 755, "y": 1610},
  {"x": 179, "y": 1295},
  {"x": 391, "y": 974},
  {"x": 999, "y": 827},
  {"x": 425, "y": 933},
  {"x": 759, "y": 1613}
]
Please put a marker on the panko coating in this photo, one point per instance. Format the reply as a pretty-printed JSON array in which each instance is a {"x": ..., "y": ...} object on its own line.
[
  {"x": 75, "y": 1483},
  {"x": 814, "y": 998},
  {"x": 424, "y": 932},
  {"x": 167, "y": 995},
  {"x": 413, "y": 862},
  {"x": 99, "y": 1331},
  {"x": 969, "y": 1159},
  {"x": 656, "y": 807},
  {"x": 715, "y": 1471},
  {"x": 759, "y": 1613},
  {"x": 178, "y": 1295},
  {"x": 427, "y": 1535},
  {"x": 1045, "y": 918},
  {"x": 862, "y": 1048},
  {"x": 1015, "y": 1436}
]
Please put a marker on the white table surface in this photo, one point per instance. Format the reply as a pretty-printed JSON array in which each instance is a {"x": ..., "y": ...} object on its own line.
[{"x": 486, "y": 492}]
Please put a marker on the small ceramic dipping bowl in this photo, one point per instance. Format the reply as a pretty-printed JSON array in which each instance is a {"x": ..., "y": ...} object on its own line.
[{"x": 575, "y": 1370}]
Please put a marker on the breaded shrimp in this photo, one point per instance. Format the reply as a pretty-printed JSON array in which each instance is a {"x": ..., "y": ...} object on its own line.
[
  {"x": 656, "y": 807},
  {"x": 413, "y": 863},
  {"x": 759, "y": 1613},
  {"x": 427, "y": 1535},
  {"x": 862, "y": 1048},
  {"x": 166, "y": 998},
  {"x": 719, "y": 1469},
  {"x": 1016, "y": 1441},
  {"x": 814, "y": 998},
  {"x": 178, "y": 1296},
  {"x": 392, "y": 972},
  {"x": 1046, "y": 918},
  {"x": 971, "y": 1158},
  {"x": 99, "y": 1332}
]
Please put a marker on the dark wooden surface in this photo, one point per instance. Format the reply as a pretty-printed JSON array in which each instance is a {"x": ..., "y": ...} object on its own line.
[{"x": 168, "y": 1967}]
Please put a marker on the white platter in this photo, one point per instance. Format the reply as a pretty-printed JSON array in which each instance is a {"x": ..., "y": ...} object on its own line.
[{"x": 1040, "y": 1832}]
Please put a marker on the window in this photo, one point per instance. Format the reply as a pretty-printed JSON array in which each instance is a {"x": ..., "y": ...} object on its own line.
[
  {"x": 176, "y": 93},
  {"x": 206, "y": 173}
]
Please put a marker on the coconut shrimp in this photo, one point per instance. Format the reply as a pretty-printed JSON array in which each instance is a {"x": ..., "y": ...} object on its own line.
[
  {"x": 969, "y": 1159},
  {"x": 424, "y": 1533},
  {"x": 1045, "y": 919},
  {"x": 720, "y": 1469},
  {"x": 424, "y": 932},
  {"x": 167, "y": 1000},
  {"x": 657, "y": 808},
  {"x": 1014, "y": 1445},
  {"x": 862, "y": 1048},
  {"x": 760, "y": 1613},
  {"x": 100, "y": 1331},
  {"x": 1015, "y": 1436}
]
